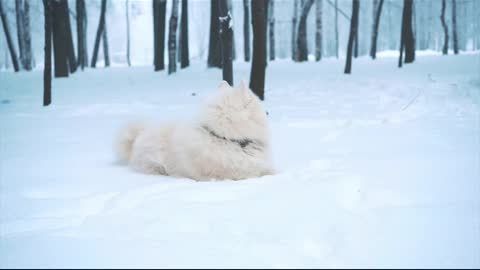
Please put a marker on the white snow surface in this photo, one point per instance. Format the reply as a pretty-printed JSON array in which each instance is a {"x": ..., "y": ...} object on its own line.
[{"x": 380, "y": 168}]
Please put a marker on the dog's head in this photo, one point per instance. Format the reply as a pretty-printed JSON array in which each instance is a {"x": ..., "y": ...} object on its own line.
[{"x": 236, "y": 112}]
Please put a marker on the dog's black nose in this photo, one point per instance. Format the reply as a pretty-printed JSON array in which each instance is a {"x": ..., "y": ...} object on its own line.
[{"x": 266, "y": 113}]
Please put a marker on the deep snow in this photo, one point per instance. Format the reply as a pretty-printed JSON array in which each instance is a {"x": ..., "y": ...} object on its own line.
[{"x": 380, "y": 168}]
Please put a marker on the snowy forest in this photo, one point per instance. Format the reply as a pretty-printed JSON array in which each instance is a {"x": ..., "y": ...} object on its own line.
[{"x": 353, "y": 125}]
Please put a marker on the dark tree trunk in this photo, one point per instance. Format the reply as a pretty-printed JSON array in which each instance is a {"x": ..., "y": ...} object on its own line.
[
  {"x": 407, "y": 40},
  {"x": 230, "y": 9},
  {"x": 172, "y": 38},
  {"x": 318, "y": 31},
  {"x": 82, "y": 55},
  {"x": 454, "y": 26},
  {"x": 214, "y": 53},
  {"x": 101, "y": 25},
  {"x": 376, "y": 24},
  {"x": 27, "y": 36},
  {"x": 355, "y": 42},
  {"x": 8, "y": 37},
  {"x": 159, "y": 24},
  {"x": 302, "y": 47},
  {"x": 127, "y": 15},
  {"x": 20, "y": 31},
  {"x": 294, "y": 29},
  {"x": 259, "y": 61},
  {"x": 353, "y": 33},
  {"x": 106, "y": 54},
  {"x": 271, "y": 29},
  {"x": 185, "y": 60},
  {"x": 47, "y": 70},
  {"x": 226, "y": 35},
  {"x": 246, "y": 30},
  {"x": 60, "y": 46},
  {"x": 445, "y": 28},
  {"x": 69, "y": 38},
  {"x": 336, "y": 28}
]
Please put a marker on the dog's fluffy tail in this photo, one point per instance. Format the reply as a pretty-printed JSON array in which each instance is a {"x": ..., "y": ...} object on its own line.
[{"x": 125, "y": 139}]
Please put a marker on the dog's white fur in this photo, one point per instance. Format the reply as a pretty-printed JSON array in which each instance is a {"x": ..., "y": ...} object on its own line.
[{"x": 209, "y": 148}]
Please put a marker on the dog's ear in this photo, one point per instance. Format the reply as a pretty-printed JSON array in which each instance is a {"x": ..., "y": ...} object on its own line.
[{"x": 223, "y": 85}]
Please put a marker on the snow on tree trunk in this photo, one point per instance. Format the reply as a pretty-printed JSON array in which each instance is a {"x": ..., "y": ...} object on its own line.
[
  {"x": 318, "y": 30},
  {"x": 214, "y": 53},
  {"x": 8, "y": 37},
  {"x": 47, "y": 70},
  {"x": 294, "y": 29},
  {"x": 377, "y": 11},
  {"x": 106, "y": 54},
  {"x": 302, "y": 46},
  {"x": 246, "y": 30},
  {"x": 454, "y": 26},
  {"x": 127, "y": 17},
  {"x": 445, "y": 28},
  {"x": 172, "y": 38},
  {"x": 159, "y": 24},
  {"x": 101, "y": 25},
  {"x": 271, "y": 28},
  {"x": 185, "y": 61},
  {"x": 353, "y": 33},
  {"x": 226, "y": 35},
  {"x": 259, "y": 61}
]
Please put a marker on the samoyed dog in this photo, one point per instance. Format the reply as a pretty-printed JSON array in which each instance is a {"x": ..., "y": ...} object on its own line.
[{"x": 229, "y": 139}]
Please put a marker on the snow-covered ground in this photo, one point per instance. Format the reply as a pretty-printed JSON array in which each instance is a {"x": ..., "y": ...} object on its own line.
[{"x": 380, "y": 168}]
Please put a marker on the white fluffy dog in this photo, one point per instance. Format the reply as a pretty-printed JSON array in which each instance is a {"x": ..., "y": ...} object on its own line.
[{"x": 229, "y": 140}]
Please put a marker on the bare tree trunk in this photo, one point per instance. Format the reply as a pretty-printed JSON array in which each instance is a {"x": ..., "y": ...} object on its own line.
[
  {"x": 101, "y": 25},
  {"x": 302, "y": 47},
  {"x": 8, "y": 37},
  {"x": 336, "y": 28},
  {"x": 20, "y": 31},
  {"x": 259, "y": 61},
  {"x": 355, "y": 42},
  {"x": 353, "y": 33},
  {"x": 271, "y": 28},
  {"x": 185, "y": 59},
  {"x": 127, "y": 15},
  {"x": 47, "y": 70},
  {"x": 69, "y": 37},
  {"x": 234, "y": 49},
  {"x": 106, "y": 54},
  {"x": 82, "y": 55},
  {"x": 407, "y": 40},
  {"x": 376, "y": 23},
  {"x": 445, "y": 28},
  {"x": 214, "y": 53},
  {"x": 159, "y": 25},
  {"x": 27, "y": 35},
  {"x": 318, "y": 32},
  {"x": 60, "y": 46},
  {"x": 454, "y": 26},
  {"x": 246, "y": 30},
  {"x": 294, "y": 29},
  {"x": 226, "y": 35},
  {"x": 172, "y": 39}
]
